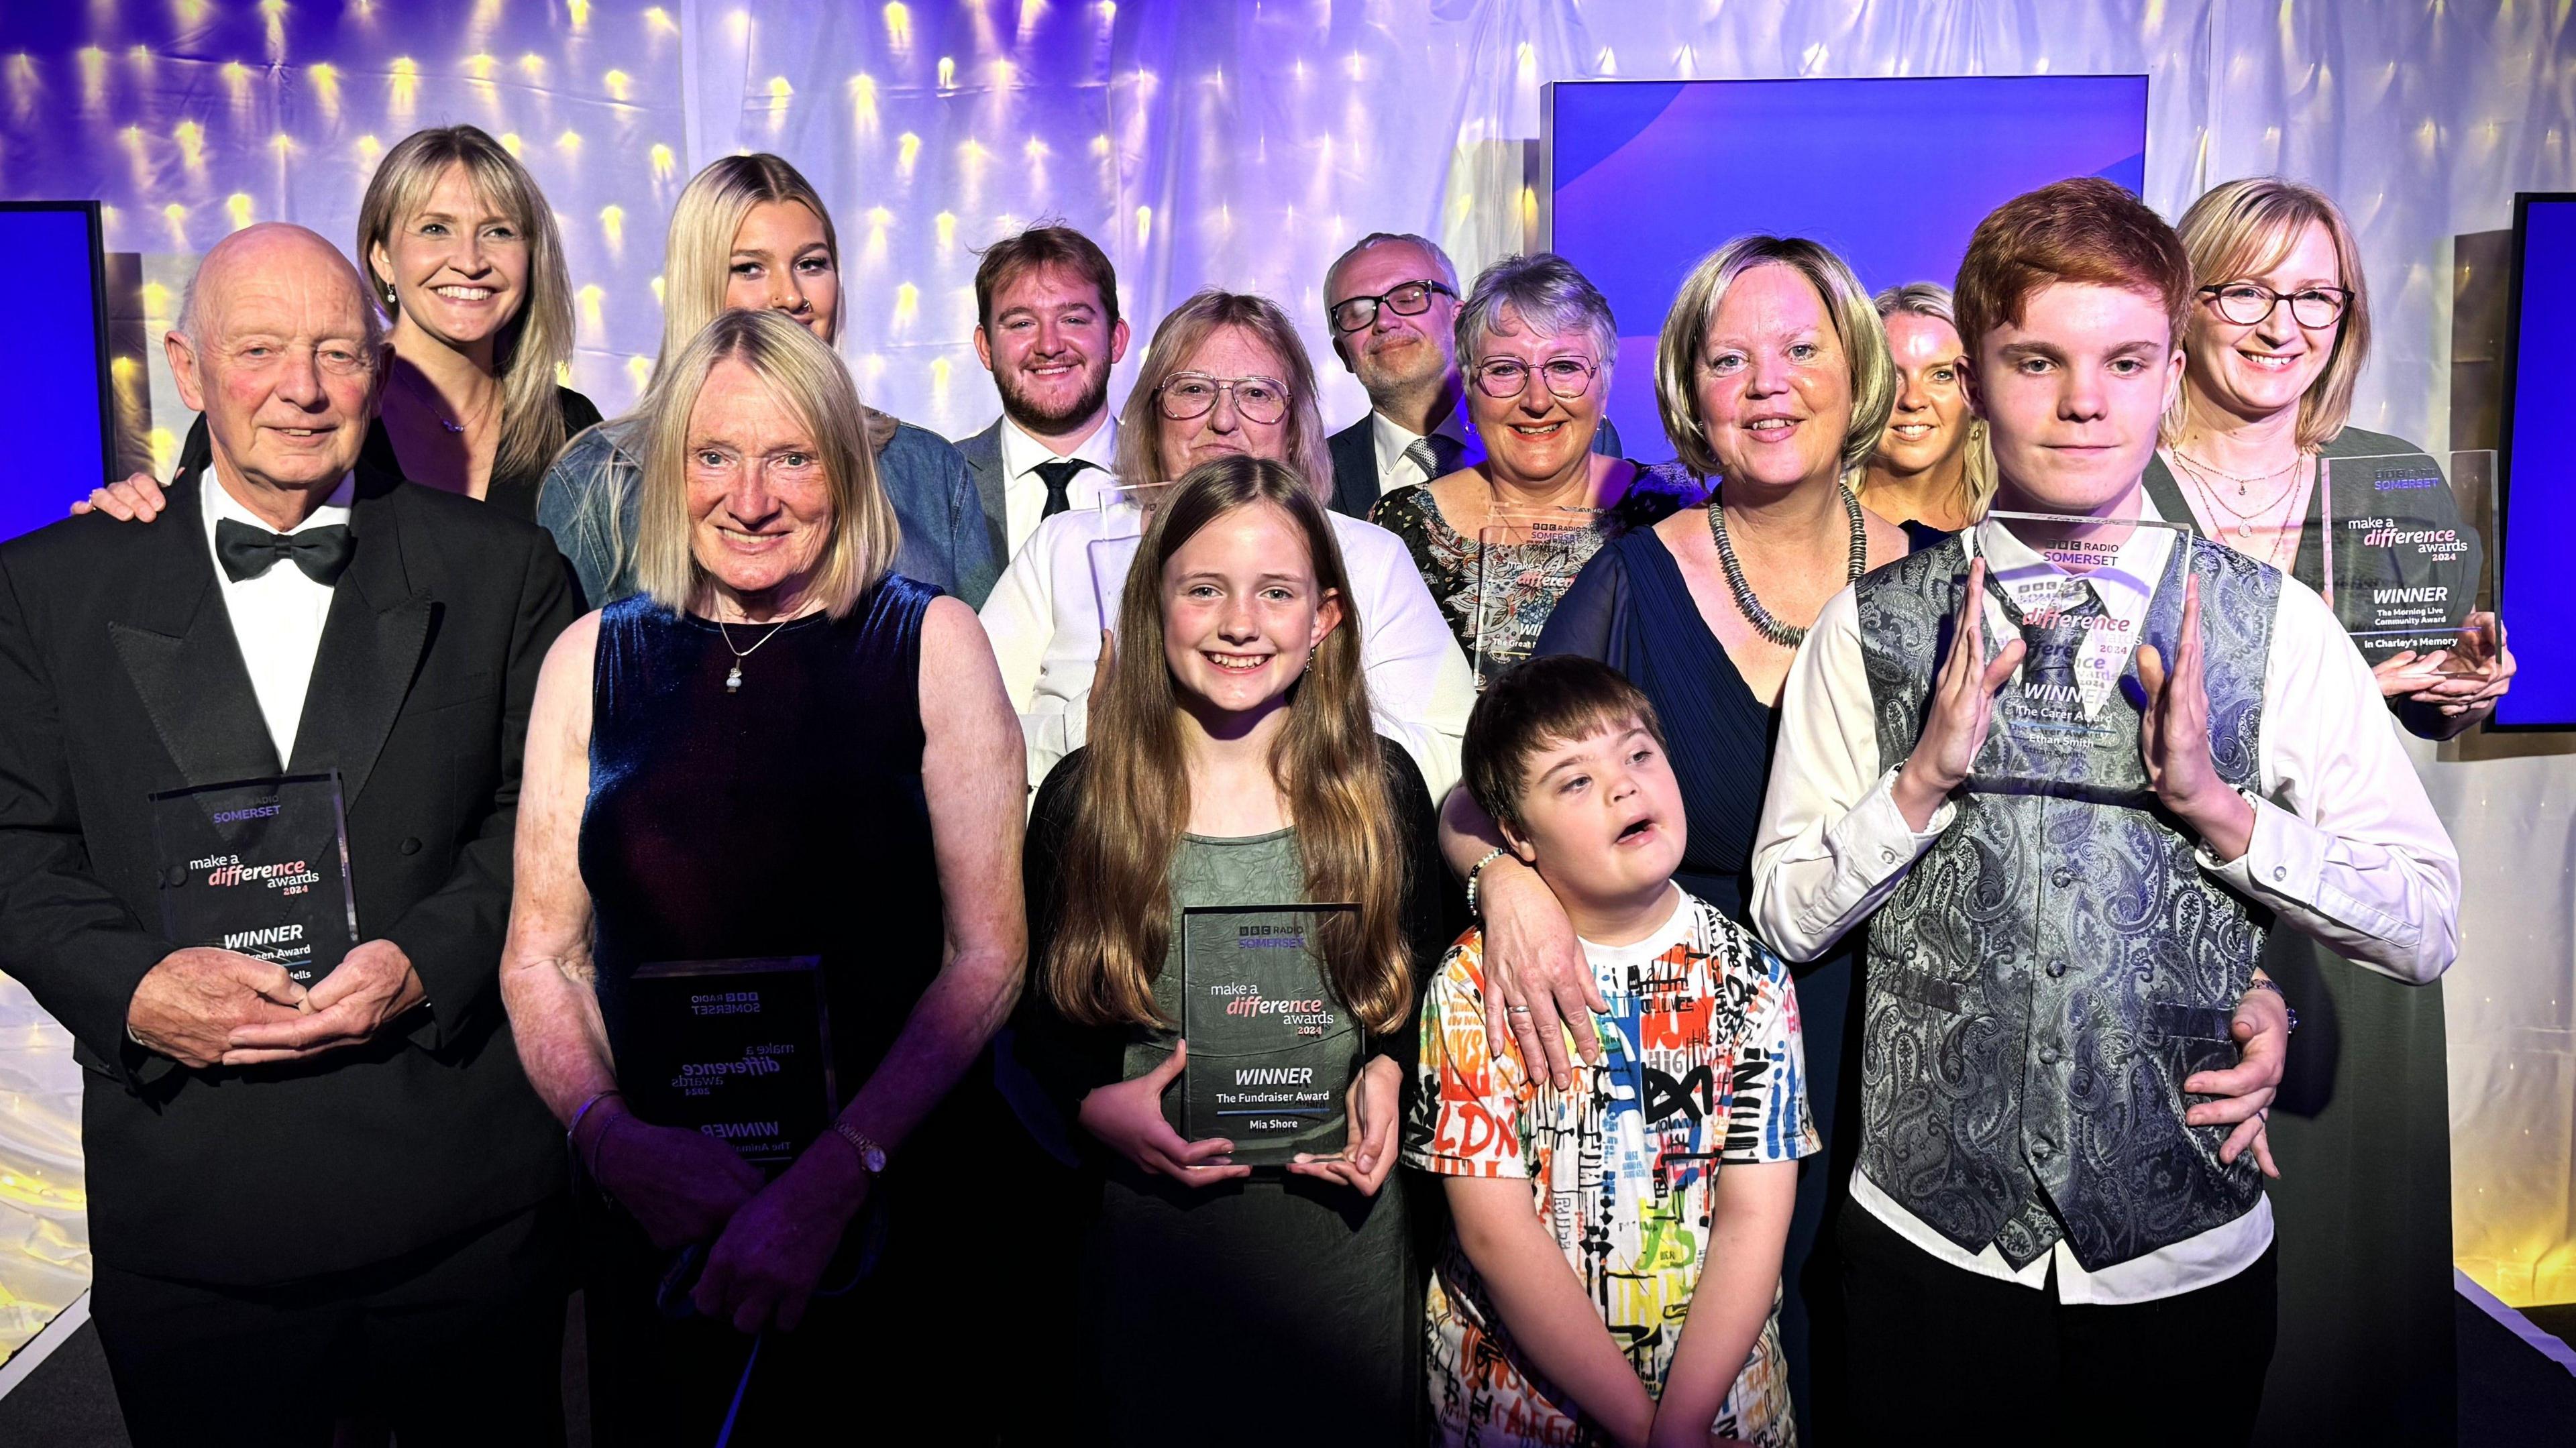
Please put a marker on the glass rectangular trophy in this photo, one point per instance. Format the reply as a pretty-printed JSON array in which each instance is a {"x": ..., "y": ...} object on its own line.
[
  {"x": 2402, "y": 560},
  {"x": 1272, "y": 1050},
  {"x": 738, "y": 1049},
  {"x": 259, "y": 867},
  {"x": 2080, "y": 615},
  {"x": 1524, "y": 563}
]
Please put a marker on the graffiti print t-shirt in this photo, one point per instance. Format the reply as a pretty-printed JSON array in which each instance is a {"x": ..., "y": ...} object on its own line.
[{"x": 1701, "y": 1064}]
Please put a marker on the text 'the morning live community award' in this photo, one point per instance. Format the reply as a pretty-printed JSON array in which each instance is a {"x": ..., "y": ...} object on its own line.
[
  {"x": 1272, "y": 1050},
  {"x": 259, "y": 867},
  {"x": 740, "y": 1050}
]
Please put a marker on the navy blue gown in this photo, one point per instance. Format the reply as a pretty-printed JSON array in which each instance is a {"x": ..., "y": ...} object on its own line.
[
  {"x": 1631, "y": 609},
  {"x": 784, "y": 819}
]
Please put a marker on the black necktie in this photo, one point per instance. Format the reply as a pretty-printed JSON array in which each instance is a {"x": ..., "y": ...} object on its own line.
[
  {"x": 247, "y": 552},
  {"x": 1058, "y": 473}
]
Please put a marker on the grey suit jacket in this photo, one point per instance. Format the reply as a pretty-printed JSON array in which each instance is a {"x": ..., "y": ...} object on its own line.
[{"x": 984, "y": 463}]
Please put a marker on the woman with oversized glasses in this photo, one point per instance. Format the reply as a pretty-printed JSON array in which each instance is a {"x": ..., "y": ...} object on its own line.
[
  {"x": 2279, "y": 335},
  {"x": 1225, "y": 375},
  {"x": 1499, "y": 542}
]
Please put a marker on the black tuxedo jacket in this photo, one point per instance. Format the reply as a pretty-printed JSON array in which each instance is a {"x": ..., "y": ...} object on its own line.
[{"x": 119, "y": 676}]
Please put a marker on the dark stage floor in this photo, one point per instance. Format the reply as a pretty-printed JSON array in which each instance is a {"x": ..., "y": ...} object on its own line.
[{"x": 2510, "y": 1395}]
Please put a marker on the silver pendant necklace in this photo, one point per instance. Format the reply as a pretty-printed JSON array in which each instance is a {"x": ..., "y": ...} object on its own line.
[{"x": 733, "y": 677}]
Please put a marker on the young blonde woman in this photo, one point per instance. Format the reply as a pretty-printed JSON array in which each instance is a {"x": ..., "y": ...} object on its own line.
[
  {"x": 750, "y": 232},
  {"x": 1931, "y": 469},
  {"x": 1236, "y": 764},
  {"x": 461, "y": 250},
  {"x": 2280, "y": 331}
]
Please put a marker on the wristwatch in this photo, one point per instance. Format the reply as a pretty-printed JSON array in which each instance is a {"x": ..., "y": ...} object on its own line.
[{"x": 872, "y": 1157}]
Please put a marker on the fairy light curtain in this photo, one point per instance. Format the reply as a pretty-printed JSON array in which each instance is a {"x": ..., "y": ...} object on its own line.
[{"x": 1243, "y": 144}]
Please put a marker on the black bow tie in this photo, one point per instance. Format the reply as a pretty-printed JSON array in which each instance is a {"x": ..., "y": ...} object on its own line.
[{"x": 247, "y": 552}]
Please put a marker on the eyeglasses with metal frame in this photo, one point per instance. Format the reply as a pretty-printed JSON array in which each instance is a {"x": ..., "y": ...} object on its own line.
[
  {"x": 1504, "y": 378},
  {"x": 1185, "y": 395}
]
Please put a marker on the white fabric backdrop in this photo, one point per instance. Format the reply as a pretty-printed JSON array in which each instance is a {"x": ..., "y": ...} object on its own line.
[{"x": 1242, "y": 144}]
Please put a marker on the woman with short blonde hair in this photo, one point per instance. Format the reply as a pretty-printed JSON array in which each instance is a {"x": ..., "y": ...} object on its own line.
[
  {"x": 781, "y": 776},
  {"x": 1872, "y": 376},
  {"x": 1774, "y": 382},
  {"x": 803, "y": 375}
]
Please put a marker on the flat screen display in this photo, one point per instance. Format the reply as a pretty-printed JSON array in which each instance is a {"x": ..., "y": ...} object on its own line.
[
  {"x": 1646, "y": 177},
  {"x": 54, "y": 368},
  {"x": 2539, "y": 467}
]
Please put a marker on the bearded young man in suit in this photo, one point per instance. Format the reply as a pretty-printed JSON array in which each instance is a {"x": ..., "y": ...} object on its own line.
[
  {"x": 1047, "y": 328},
  {"x": 1392, "y": 303},
  {"x": 308, "y": 1206}
]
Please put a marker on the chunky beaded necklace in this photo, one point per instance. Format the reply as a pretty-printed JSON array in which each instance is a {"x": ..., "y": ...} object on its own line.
[{"x": 1787, "y": 636}]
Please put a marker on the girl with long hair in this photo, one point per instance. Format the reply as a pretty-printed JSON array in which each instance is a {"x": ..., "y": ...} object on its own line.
[{"x": 1235, "y": 764}]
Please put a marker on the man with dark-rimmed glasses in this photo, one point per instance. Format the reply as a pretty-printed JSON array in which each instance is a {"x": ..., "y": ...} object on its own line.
[{"x": 1391, "y": 301}]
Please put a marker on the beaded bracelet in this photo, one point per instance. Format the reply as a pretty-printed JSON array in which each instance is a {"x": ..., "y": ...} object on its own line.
[{"x": 1473, "y": 875}]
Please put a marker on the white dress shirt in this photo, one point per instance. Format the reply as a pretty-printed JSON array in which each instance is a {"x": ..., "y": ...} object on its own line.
[
  {"x": 1024, "y": 492},
  {"x": 2345, "y": 848},
  {"x": 1045, "y": 618},
  {"x": 278, "y": 616},
  {"x": 1390, "y": 438}
]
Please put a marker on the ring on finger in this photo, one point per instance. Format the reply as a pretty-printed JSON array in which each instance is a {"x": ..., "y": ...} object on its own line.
[{"x": 1520, "y": 1010}]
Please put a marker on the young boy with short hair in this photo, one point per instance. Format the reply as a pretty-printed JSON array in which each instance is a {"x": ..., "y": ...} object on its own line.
[
  {"x": 1614, "y": 1269},
  {"x": 2072, "y": 766}
]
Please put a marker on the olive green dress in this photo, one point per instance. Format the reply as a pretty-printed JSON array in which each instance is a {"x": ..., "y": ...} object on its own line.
[
  {"x": 1278, "y": 1309},
  {"x": 2362, "y": 1132}
]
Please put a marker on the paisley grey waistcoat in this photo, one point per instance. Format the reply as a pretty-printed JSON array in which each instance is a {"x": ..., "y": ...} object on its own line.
[{"x": 2057, "y": 963}]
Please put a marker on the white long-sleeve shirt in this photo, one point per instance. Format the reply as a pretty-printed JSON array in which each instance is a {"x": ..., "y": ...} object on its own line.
[
  {"x": 1046, "y": 614},
  {"x": 2346, "y": 848}
]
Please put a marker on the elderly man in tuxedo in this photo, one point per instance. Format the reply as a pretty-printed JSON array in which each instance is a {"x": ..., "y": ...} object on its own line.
[{"x": 309, "y": 1205}]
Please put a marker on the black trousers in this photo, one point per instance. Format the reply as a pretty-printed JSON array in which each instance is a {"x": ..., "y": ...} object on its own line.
[
  {"x": 1947, "y": 1355},
  {"x": 458, "y": 1343}
]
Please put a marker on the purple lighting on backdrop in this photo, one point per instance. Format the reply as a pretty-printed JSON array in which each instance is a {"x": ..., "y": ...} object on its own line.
[
  {"x": 2540, "y": 476},
  {"x": 1894, "y": 174},
  {"x": 53, "y": 369}
]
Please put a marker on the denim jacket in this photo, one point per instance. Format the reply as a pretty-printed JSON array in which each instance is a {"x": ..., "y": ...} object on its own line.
[{"x": 588, "y": 503}]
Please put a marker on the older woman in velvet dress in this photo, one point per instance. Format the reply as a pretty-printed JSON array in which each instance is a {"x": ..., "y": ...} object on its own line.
[{"x": 777, "y": 748}]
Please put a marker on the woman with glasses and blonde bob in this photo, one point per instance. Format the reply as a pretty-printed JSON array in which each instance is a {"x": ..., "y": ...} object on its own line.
[
  {"x": 1536, "y": 344},
  {"x": 2361, "y": 1125},
  {"x": 776, "y": 748},
  {"x": 1224, "y": 376},
  {"x": 462, "y": 251},
  {"x": 750, "y": 232},
  {"x": 1932, "y": 472}
]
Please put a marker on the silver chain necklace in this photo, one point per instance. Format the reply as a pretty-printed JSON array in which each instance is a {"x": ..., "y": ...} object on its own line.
[
  {"x": 733, "y": 679},
  {"x": 1787, "y": 636}
]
